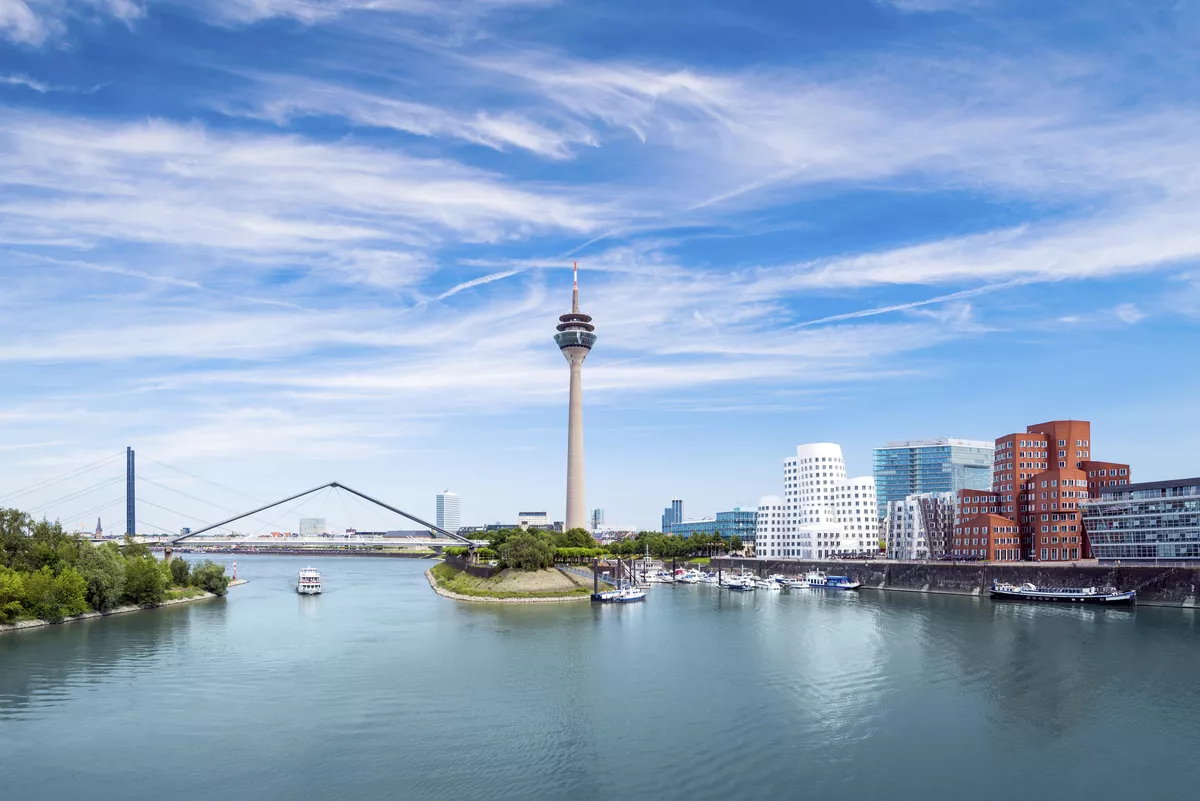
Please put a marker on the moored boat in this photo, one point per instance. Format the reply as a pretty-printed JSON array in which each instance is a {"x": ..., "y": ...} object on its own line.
[
  {"x": 1003, "y": 591},
  {"x": 818, "y": 580},
  {"x": 308, "y": 582},
  {"x": 621, "y": 595}
]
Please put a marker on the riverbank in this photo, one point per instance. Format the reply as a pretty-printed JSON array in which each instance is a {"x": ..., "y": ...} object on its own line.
[
  {"x": 120, "y": 610},
  {"x": 1177, "y": 587},
  {"x": 508, "y": 586}
]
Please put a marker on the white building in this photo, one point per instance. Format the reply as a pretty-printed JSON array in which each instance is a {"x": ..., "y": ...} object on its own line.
[
  {"x": 312, "y": 526},
  {"x": 920, "y": 526},
  {"x": 825, "y": 514},
  {"x": 448, "y": 512},
  {"x": 527, "y": 519}
]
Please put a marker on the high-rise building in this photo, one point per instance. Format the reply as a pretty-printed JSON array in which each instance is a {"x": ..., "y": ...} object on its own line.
[
  {"x": 575, "y": 339},
  {"x": 672, "y": 514},
  {"x": 1040, "y": 481},
  {"x": 312, "y": 526},
  {"x": 449, "y": 512},
  {"x": 942, "y": 464},
  {"x": 920, "y": 526},
  {"x": 825, "y": 514},
  {"x": 597, "y": 519}
]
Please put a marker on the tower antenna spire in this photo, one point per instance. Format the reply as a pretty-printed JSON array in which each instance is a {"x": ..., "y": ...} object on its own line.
[{"x": 575, "y": 292}]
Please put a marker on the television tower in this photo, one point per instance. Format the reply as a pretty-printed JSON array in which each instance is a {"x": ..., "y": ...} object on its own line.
[{"x": 575, "y": 339}]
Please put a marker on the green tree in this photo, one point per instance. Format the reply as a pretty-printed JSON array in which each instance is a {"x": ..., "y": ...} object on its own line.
[
  {"x": 527, "y": 551},
  {"x": 574, "y": 538},
  {"x": 144, "y": 584},
  {"x": 735, "y": 543},
  {"x": 210, "y": 577},
  {"x": 12, "y": 594},
  {"x": 181, "y": 572},
  {"x": 50, "y": 597},
  {"x": 103, "y": 568}
]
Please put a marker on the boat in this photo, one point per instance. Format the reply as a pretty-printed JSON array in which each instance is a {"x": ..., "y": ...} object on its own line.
[
  {"x": 767, "y": 584},
  {"x": 621, "y": 595},
  {"x": 740, "y": 582},
  {"x": 690, "y": 577},
  {"x": 1003, "y": 591},
  {"x": 710, "y": 578},
  {"x": 308, "y": 582},
  {"x": 818, "y": 580}
]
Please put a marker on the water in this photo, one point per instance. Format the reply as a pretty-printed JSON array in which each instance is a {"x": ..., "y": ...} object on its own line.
[{"x": 380, "y": 689}]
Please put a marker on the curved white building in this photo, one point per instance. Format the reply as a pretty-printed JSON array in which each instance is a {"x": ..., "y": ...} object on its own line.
[{"x": 825, "y": 514}]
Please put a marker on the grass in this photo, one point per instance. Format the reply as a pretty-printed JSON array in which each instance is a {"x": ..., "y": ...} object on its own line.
[
  {"x": 462, "y": 583},
  {"x": 178, "y": 593}
]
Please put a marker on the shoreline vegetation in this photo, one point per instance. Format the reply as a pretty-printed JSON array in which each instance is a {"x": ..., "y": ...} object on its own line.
[
  {"x": 547, "y": 585},
  {"x": 49, "y": 576},
  {"x": 182, "y": 597}
]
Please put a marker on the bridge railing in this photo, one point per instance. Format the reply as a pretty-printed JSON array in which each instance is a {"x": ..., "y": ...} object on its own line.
[{"x": 585, "y": 573}]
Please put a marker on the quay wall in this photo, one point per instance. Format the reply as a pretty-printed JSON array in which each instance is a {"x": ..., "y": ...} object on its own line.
[{"x": 1163, "y": 586}]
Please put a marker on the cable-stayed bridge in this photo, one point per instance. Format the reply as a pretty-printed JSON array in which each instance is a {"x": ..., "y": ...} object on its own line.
[{"x": 97, "y": 489}]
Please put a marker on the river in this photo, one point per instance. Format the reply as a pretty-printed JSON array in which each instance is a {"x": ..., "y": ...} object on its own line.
[{"x": 380, "y": 689}]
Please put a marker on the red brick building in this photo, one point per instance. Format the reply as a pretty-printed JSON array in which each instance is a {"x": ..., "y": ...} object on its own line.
[{"x": 1038, "y": 481}]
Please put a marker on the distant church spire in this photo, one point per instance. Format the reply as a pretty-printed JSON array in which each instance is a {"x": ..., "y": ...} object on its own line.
[{"x": 99, "y": 528}]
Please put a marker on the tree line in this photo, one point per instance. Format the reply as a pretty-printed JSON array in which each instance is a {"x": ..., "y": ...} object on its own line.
[
  {"x": 47, "y": 574},
  {"x": 534, "y": 549}
]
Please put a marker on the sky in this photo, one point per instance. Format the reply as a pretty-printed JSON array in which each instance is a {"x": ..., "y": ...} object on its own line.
[{"x": 275, "y": 243}]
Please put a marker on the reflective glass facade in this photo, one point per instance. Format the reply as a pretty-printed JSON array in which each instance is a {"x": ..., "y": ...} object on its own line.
[
  {"x": 1157, "y": 520},
  {"x": 933, "y": 465},
  {"x": 742, "y": 522}
]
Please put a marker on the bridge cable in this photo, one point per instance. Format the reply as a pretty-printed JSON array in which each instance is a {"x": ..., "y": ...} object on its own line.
[
  {"x": 186, "y": 495},
  {"x": 289, "y": 511},
  {"x": 202, "y": 478},
  {"x": 94, "y": 510},
  {"x": 77, "y": 494},
  {"x": 56, "y": 479}
]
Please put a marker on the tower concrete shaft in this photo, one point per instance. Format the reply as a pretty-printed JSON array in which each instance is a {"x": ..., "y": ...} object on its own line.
[{"x": 575, "y": 339}]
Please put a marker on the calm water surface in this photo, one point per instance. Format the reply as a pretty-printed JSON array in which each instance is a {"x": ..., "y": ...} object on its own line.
[{"x": 380, "y": 689}]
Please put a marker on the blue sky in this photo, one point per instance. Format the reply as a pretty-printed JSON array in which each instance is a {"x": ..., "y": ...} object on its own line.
[{"x": 281, "y": 242}]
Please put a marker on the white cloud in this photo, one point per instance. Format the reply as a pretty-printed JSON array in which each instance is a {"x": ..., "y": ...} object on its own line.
[
  {"x": 928, "y": 6},
  {"x": 34, "y": 22},
  {"x": 1129, "y": 313},
  {"x": 20, "y": 24}
]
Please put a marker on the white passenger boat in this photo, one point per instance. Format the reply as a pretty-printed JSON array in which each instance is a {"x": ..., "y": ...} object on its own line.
[
  {"x": 1003, "y": 591},
  {"x": 818, "y": 580},
  {"x": 690, "y": 577},
  {"x": 622, "y": 595},
  {"x": 767, "y": 584},
  {"x": 740, "y": 582},
  {"x": 308, "y": 582}
]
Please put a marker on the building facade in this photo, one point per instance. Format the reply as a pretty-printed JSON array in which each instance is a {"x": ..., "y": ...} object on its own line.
[
  {"x": 739, "y": 522},
  {"x": 1151, "y": 521},
  {"x": 449, "y": 511},
  {"x": 825, "y": 513},
  {"x": 672, "y": 514},
  {"x": 312, "y": 526},
  {"x": 597, "y": 519},
  {"x": 1040, "y": 480},
  {"x": 920, "y": 526},
  {"x": 942, "y": 464},
  {"x": 533, "y": 519}
]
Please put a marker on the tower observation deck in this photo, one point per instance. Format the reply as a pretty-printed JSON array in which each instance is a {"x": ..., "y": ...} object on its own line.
[{"x": 575, "y": 338}]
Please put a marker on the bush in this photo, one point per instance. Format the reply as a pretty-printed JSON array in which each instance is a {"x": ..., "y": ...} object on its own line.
[
  {"x": 527, "y": 551},
  {"x": 103, "y": 569},
  {"x": 144, "y": 583},
  {"x": 210, "y": 577},
  {"x": 12, "y": 595},
  {"x": 180, "y": 572},
  {"x": 50, "y": 597}
]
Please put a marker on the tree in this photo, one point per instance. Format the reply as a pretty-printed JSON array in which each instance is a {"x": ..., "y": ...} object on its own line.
[
  {"x": 735, "y": 543},
  {"x": 144, "y": 584},
  {"x": 527, "y": 551},
  {"x": 180, "y": 572},
  {"x": 12, "y": 594},
  {"x": 210, "y": 577},
  {"x": 103, "y": 568},
  {"x": 574, "y": 538},
  {"x": 50, "y": 597}
]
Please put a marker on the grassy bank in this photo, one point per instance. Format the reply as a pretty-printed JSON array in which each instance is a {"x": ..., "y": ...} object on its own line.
[{"x": 507, "y": 584}]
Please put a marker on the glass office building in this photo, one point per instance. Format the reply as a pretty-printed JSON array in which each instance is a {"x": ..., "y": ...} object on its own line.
[
  {"x": 942, "y": 464},
  {"x": 1154, "y": 520},
  {"x": 739, "y": 521}
]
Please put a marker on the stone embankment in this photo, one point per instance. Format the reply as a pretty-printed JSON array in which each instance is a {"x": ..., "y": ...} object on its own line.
[
  {"x": 1156, "y": 586},
  {"x": 120, "y": 610},
  {"x": 445, "y": 593}
]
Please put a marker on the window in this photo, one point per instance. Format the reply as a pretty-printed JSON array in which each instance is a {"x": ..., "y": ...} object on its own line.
[{"x": 1043, "y": 554}]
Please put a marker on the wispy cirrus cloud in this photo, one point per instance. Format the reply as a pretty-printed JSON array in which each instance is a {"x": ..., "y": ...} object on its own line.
[{"x": 35, "y": 22}]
